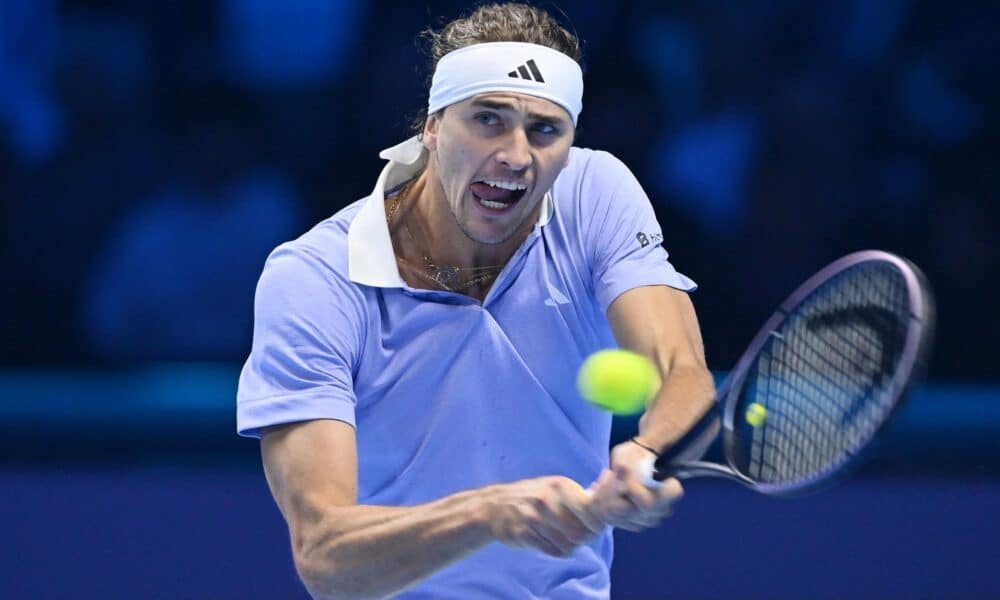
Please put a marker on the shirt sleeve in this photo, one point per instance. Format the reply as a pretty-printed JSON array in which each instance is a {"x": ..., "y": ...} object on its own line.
[
  {"x": 306, "y": 342},
  {"x": 624, "y": 239}
]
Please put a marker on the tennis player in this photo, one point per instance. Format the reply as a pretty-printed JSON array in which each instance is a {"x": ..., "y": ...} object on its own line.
[{"x": 414, "y": 355}]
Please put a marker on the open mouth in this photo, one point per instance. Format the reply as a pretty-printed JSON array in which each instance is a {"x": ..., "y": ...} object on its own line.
[{"x": 496, "y": 195}]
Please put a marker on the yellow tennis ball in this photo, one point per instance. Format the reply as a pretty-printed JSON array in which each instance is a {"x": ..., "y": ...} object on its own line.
[
  {"x": 619, "y": 381},
  {"x": 756, "y": 414}
]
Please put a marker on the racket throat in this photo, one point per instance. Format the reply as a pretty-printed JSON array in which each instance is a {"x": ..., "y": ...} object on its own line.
[{"x": 698, "y": 468}]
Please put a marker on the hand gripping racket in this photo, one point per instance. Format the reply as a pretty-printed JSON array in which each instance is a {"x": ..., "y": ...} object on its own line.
[{"x": 819, "y": 382}]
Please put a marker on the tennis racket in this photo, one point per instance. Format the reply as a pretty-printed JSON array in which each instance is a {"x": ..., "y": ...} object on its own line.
[{"x": 819, "y": 382}]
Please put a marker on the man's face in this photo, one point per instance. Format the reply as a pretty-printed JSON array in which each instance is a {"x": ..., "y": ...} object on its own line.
[{"x": 495, "y": 156}]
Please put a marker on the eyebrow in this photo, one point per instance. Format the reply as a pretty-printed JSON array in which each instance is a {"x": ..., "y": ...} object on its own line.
[{"x": 498, "y": 105}]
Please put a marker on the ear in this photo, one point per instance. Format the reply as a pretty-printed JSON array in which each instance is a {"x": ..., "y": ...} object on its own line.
[{"x": 429, "y": 137}]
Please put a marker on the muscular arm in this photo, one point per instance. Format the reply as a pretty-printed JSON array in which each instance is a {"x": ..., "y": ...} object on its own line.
[
  {"x": 660, "y": 322},
  {"x": 346, "y": 550}
]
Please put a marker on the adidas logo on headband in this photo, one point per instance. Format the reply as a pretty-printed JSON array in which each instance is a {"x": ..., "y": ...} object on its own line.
[{"x": 522, "y": 72}]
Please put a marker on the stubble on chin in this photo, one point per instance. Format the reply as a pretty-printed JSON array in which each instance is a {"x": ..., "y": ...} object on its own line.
[{"x": 506, "y": 236}]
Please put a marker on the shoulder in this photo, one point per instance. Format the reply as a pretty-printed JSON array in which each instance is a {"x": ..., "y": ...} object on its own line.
[
  {"x": 316, "y": 261},
  {"x": 595, "y": 168},
  {"x": 592, "y": 178},
  {"x": 595, "y": 182},
  {"x": 325, "y": 245}
]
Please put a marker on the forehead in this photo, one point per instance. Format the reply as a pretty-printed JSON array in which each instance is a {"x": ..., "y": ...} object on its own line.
[{"x": 523, "y": 103}]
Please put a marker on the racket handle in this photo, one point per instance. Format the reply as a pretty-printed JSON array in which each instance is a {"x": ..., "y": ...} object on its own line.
[
  {"x": 692, "y": 446},
  {"x": 646, "y": 472}
]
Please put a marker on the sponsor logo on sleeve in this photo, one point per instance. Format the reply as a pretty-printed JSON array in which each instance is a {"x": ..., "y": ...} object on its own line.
[{"x": 646, "y": 239}]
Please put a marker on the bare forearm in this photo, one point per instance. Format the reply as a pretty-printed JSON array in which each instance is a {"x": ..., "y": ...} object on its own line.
[
  {"x": 375, "y": 551},
  {"x": 687, "y": 393}
]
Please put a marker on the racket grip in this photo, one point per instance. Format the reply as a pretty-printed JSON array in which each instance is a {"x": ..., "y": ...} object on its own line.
[{"x": 646, "y": 472}]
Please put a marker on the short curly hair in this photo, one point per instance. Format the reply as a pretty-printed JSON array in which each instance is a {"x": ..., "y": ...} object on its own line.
[{"x": 507, "y": 22}]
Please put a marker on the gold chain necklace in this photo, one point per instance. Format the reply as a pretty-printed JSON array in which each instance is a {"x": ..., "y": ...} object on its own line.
[{"x": 446, "y": 276}]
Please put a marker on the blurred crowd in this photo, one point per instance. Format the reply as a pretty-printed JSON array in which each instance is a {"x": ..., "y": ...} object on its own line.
[{"x": 152, "y": 153}]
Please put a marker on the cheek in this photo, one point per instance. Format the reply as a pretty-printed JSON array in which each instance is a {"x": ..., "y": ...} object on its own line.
[
  {"x": 553, "y": 171},
  {"x": 560, "y": 162},
  {"x": 450, "y": 156},
  {"x": 458, "y": 159}
]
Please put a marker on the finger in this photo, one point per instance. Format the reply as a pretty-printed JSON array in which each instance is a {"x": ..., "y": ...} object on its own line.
[
  {"x": 553, "y": 539},
  {"x": 670, "y": 489},
  {"x": 602, "y": 482},
  {"x": 634, "y": 521},
  {"x": 615, "y": 504},
  {"x": 648, "y": 517},
  {"x": 665, "y": 509},
  {"x": 648, "y": 520},
  {"x": 580, "y": 520},
  {"x": 632, "y": 488},
  {"x": 638, "y": 520},
  {"x": 559, "y": 526},
  {"x": 665, "y": 497},
  {"x": 630, "y": 526},
  {"x": 626, "y": 517},
  {"x": 584, "y": 506},
  {"x": 667, "y": 494},
  {"x": 588, "y": 516},
  {"x": 536, "y": 540},
  {"x": 556, "y": 538},
  {"x": 634, "y": 506},
  {"x": 609, "y": 502},
  {"x": 662, "y": 494}
]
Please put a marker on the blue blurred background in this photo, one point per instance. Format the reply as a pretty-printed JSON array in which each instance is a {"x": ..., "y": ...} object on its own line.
[{"x": 151, "y": 154}]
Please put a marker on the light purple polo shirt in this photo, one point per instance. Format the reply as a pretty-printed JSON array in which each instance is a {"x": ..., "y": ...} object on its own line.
[{"x": 447, "y": 393}]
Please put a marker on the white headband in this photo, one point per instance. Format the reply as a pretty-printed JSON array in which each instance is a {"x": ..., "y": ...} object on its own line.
[{"x": 507, "y": 67}]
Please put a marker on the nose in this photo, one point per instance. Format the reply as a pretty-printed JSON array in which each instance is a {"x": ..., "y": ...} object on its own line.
[{"x": 515, "y": 152}]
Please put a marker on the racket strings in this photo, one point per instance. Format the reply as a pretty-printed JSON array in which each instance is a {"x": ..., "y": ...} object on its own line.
[
  {"x": 822, "y": 388},
  {"x": 808, "y": 361},
  {"x": 824, "y": 377}
]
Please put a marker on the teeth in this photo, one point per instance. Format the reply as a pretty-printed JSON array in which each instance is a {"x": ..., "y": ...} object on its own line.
[
  {"x": 493, "y": 205},
  {"x": 507, "y": 185}
]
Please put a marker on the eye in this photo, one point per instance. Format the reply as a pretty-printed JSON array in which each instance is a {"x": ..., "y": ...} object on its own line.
[
  {"x": 546, "y": 128},
  {"x": 487, "y": 118}
]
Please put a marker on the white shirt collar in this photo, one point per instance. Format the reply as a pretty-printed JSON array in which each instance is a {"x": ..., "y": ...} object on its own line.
[{"x": 371, "y": 259}]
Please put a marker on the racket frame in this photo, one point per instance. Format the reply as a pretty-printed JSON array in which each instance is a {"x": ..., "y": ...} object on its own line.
[{"x": 911, "y": 363}]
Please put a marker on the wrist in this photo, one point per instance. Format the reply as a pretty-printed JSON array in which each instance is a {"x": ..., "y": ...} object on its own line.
[
  {"x": 487, "y": 507},
  {"x": 645, "y": 445}
]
